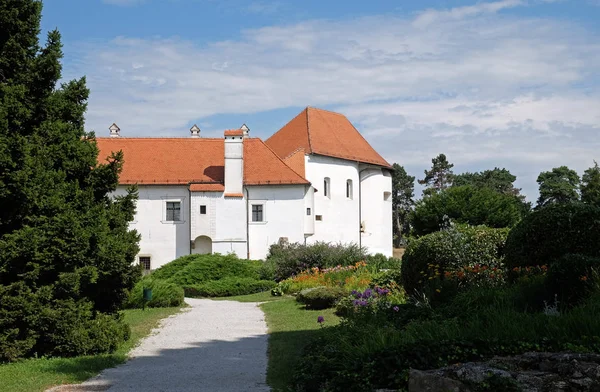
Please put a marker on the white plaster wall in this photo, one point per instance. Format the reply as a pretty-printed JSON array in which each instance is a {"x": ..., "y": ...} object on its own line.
[
  {"x": 283, "y": 214},
  {"x": 376, "y": 210},
  {"x": 162, "y": 241},
  {"x": 309, "y": 204},
  {"x": 340, "y": 215},
  {"x": 224, "y": 222}
]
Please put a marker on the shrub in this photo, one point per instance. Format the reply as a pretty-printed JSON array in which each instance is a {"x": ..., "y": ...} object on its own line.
[
  {"x": 552, "y": 232},
  {"x": 291, "y": 259},
  {"x": 430, "y": 257},
  {"x": 320, "y": 297},
  {"x": 171, "y": 268},
  {"x": 378, "y": 262},
  {"x": 164, "y": 294},
  {"x": 228, "y": 286},
  {"x": 573, "y": 277},
  {"x": 204, "y": 268}
]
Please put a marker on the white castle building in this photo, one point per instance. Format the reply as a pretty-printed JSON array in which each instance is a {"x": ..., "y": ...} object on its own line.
[{"x": 316, "y": 179}]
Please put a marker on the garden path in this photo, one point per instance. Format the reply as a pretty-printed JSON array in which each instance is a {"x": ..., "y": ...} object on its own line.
[{"x": 211, "y": 346}]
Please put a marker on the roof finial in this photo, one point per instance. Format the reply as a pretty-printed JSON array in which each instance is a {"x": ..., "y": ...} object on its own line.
[
  {"x": 246, "y": 130},
  {"x": 115, "y": 131},
  {"x": 195, "y": 131}
]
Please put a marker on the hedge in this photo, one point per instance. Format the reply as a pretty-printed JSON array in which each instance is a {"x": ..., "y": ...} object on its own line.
[
  {"x": 164, "y": 294},
  {"x": 227, "y": 287}
]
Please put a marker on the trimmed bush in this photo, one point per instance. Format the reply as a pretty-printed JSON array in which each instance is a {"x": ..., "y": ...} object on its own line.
[
  {"x": 552, "y": 232},
  {"x": 432, "y": 255},
  {"x": 573, "y": 277},
  {"x": 228, "y": 286},
  {"x": 205, "y": 268},
  {"x": 164, "y": 294},
  {"x": 291, "y": 259},
  {"x": 321, "y": 297}
]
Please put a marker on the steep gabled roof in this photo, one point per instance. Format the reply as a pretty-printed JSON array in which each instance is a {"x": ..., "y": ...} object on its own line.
[
  {"x": 327, "y": 133},
  {"x": 194, "y": 161}
]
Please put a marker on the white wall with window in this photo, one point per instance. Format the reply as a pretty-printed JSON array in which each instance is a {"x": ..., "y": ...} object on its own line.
[
  {"x": 336, "y": 215},
  {"x": 162, "y": 220},
  {"x": 274, "y": 212}
]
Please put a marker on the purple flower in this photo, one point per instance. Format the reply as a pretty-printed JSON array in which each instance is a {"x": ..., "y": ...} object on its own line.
[
  {"x": 396, "y": 309},
  {"x": 354, "y": 292},
  {"x": 363, "y": 302},
  {"x": 368, "y": 293},
  {"x": 320, "y": 319}
]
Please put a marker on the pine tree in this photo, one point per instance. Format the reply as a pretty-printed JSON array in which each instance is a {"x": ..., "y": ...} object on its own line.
[
  {"x": 403, "y": 187},
  {"x": 66, "y": 251},
  {"x": 590, "y": 185},
  {"x": 558, "y": 186},
  {"x": 439, "y": 177}
]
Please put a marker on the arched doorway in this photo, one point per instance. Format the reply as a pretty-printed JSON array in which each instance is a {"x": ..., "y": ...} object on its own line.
[{"x": 202, "y": 245}]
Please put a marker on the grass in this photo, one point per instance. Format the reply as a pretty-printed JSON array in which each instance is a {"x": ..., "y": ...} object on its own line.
[
  {"x": 291, "y": 327},
  {"x": 42, "y": 373}
]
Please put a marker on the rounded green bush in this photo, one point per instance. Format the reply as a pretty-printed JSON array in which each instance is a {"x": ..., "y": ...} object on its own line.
[
  {"x": 227, "y": 287},
  {"x": 321, "y": 297},
  {"x": 164, "y": 294},
  {"x": 204, "y": 268},
  {"x": 450, "y": 250},
  {"x": 551, "y": 232},
  {"x": 573, "y": 277}
]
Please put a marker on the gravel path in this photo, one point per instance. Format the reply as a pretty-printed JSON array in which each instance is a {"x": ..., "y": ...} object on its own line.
[{"x": 213, "y": 346}]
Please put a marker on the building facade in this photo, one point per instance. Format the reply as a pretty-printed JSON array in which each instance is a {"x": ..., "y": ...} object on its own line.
[{"x": 316, "y": 179}]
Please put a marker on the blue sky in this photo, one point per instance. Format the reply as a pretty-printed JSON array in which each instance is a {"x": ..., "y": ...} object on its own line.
[{"x": 508, "y": 83}]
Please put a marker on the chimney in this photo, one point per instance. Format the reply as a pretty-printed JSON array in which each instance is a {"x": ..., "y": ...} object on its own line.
[
  {"x": 245, "y": 129},
  {"x": 195, "y": 131},
  {"x": 115, "y": 131},
  {"x": 234, "y": 162}
]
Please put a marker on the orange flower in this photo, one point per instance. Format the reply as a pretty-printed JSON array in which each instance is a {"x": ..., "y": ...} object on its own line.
[{"x": 583, "y": 278}]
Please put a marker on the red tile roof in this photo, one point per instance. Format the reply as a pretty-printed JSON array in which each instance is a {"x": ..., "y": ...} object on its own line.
[
  {"x": 207, "y": 187},
  {"x": 296, "y": 161},
  {"x": 199, "y": 162},
  {"x": 234, "y": 132},
  {"x": 326, "y": 133}
]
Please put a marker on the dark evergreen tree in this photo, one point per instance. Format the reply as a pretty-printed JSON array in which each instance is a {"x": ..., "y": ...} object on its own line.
[
  {"x": 66, "y": 252},
  {"x": 590, "y": 185},
  {"x": 560, "y": 185},
  {"x": 439, "y": 177},
  {"x": 403, "y": 192},
  {"x": 500, "y": 180}
]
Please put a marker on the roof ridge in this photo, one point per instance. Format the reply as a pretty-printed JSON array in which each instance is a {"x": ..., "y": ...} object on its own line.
[
  {"x": 326, "y": 110},
  {"x": 293, "y": 152},
  {"x": 159, "y": 138},
  {"x": 282, "y": 161},
  {"x": 308, "y": 130}
]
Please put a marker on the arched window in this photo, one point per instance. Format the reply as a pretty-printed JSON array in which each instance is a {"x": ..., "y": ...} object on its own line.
[
  {"x": 326, "y": 187},
  {"x": 349, "y": 189}
]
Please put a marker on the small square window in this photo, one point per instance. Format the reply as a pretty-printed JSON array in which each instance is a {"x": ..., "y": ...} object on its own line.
[
  {"x": 203, "y": 210},
  {"x": 319, "y": 217},
  {"x": 173, "y": 211},
  {"x": 257, "y": 213},
  {"x": 308, "y": 212},
  {"x": 145, "y": 263}
]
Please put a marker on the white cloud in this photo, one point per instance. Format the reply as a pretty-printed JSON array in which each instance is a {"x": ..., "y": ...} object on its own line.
[{"x": 485, "y": 88}]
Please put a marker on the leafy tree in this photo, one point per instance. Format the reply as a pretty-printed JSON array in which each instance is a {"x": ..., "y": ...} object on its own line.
[
  {"x": 439, "y": 177},
  {"x": 467, "y": 204},
  {"x": 590, "y": 185},
  {"x": 500, "y": 180},
  {"x": 403, "y": 191},
  {"x": 558, "y": 186},
  {"x": 66, "y": 251}
]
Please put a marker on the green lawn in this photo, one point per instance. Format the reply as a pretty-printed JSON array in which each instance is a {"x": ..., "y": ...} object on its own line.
[
  {"x": 39, "y": 374},
  {"x": 291, "y": 327}
]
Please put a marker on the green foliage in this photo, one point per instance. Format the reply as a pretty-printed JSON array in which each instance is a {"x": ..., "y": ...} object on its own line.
[
  {"x": 468, "y": 205},
  {"x": 292, "y": 259},
  {"x": 499, "y": 180},
  {"x": 450, "y": 250},
  {"x": 439, "y": 177},
  {"x": 558, "y": 186},
  {"x": 164, "y": 294},
  {"x": 551, "y": 232},
  {"x": 228, "y": 286},
  {"x": 210, "y": 267},
  {"x": 379, "y": 261},
  {"x": 403, "y": 192},
  {"x": 574, "y": 277},
  {"x": 590, "y": 185},
  {"x": 65, "y": 243},
  {"x": 321, "y": 297},
  {"x": 171, "y": 268}
]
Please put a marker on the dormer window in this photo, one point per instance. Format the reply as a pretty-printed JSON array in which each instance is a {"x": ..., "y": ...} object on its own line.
[{"x": 326, "y": 187}]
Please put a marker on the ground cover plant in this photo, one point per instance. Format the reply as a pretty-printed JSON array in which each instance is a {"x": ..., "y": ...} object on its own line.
[
  {"x": 211, "y": 275},
  {"x": 39, "y": 374}
]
